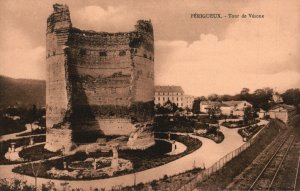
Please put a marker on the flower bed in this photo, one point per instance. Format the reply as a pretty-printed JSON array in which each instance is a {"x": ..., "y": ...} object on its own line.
[
  {"x": 88, "y": 164},
  {"x": 18, "y": 142},
  {"x": 249, "y": 132},
  {"x": 239, "y": 123},
  {"x": 140, "y": 159},
  {"x": 36, "y": 153},
  {"x": 217, "y": 137},
  {"x": 212, "y": 133},
  {"x": 85, "y": 169},
  {"x": 149, "y": 158}
]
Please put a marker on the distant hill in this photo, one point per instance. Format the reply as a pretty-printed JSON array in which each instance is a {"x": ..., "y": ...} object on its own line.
[{"x": 22, "y": 92}]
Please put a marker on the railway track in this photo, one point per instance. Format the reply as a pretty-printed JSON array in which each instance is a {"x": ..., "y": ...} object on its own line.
[{"x": 267, "y": 176}]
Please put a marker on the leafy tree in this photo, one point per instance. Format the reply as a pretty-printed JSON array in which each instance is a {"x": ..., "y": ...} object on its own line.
[
  {"x": 196, "y": 106},
  {"x": 227, "y": 98},
  {"x": 212, "y": 113},
  {"x": 202, "y": 98},
  {"x": 213, "y": 97},
  {"x": 170, "y": 106},
  {"x": 245, "y": 95},
  {"x": 245, "y": 91},
  {"x": 261, "y": 98},
  {"x": 248, "y": 115},
  {"x": 292, "y": 97}
]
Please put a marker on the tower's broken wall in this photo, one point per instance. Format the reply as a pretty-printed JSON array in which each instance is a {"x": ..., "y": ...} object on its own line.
[{"x": 97, "y": 81}]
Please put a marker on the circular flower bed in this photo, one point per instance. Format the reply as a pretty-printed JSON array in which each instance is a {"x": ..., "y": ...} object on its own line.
[
  {"x": 85, "y": 169},
  {"x": 88, "y": 164}
]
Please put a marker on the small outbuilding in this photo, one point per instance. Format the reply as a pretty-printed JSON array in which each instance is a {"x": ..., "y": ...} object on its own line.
[
  {"x": 282, "y": 112},
  {"x": 261, "y": 113}
]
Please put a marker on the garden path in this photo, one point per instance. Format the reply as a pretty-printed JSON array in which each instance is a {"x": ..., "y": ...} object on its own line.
[
  {"x": 207, "y": 155},
  {"x": 179, "y": 147},
  {"x": 14, "y": 136}
]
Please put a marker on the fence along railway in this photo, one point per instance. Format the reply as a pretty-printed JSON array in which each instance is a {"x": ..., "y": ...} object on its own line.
[
  {"x": 266, "y": 177},
  {"x": 276, "y": 167}
]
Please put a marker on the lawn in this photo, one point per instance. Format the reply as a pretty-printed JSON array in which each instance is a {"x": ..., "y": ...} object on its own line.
[
  {"x": 36, "y": 153},
  {"x": 8, "y": 126},
  {"x": 18, "y": 142}
]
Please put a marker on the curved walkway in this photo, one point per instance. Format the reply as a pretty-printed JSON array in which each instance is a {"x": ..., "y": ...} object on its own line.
[
  {"x": 14, "y": 136},
  {"x": 179, "y": 147},
  {"x": 207, "y": 155}
]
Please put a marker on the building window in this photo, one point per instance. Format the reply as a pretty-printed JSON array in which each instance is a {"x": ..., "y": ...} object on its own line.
[
  {"x": 177, "y": 98},
  {"x": 158, "y": 98},
  {"x": 103, "y": 54},
  {"x": 122, "y": 53},
  {"x": 163, "y": 98}
]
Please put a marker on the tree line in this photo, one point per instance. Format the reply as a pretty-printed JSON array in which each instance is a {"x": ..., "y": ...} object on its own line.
[{"x": 260, "y": 98}]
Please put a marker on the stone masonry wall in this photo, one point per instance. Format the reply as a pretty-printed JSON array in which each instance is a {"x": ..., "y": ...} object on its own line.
[
  {"x": 90, "y": 70},
  {"x": 57, "y": 94},
  {"x": 58, "y": 139}
]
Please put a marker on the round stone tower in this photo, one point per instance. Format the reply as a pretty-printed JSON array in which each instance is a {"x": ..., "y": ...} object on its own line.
[{"x": 98, "y": 83}]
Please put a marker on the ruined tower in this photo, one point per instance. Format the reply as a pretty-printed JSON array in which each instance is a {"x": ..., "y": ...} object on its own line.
[{"x": 98, "y": 83}]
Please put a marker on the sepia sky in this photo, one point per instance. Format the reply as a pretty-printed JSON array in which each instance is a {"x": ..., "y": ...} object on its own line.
[{"x": 204, "y": 56}]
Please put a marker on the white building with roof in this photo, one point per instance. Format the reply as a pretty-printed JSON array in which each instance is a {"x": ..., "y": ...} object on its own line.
[
  {"x": 173, "y": 93},
  {"x": 205, "y": 106},
  {"x": 236, "y": 108},
  {"x": 283, "y": 112},
  {"x": 261, "y": 113}
]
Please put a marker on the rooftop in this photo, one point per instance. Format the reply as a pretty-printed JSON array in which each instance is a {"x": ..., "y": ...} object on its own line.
[
  {"x": 211, "y": 103},
  {"x": 169, "y": 89},
  {"x": 232, "y": 103},
  {"x": 284, "y": 106}
]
